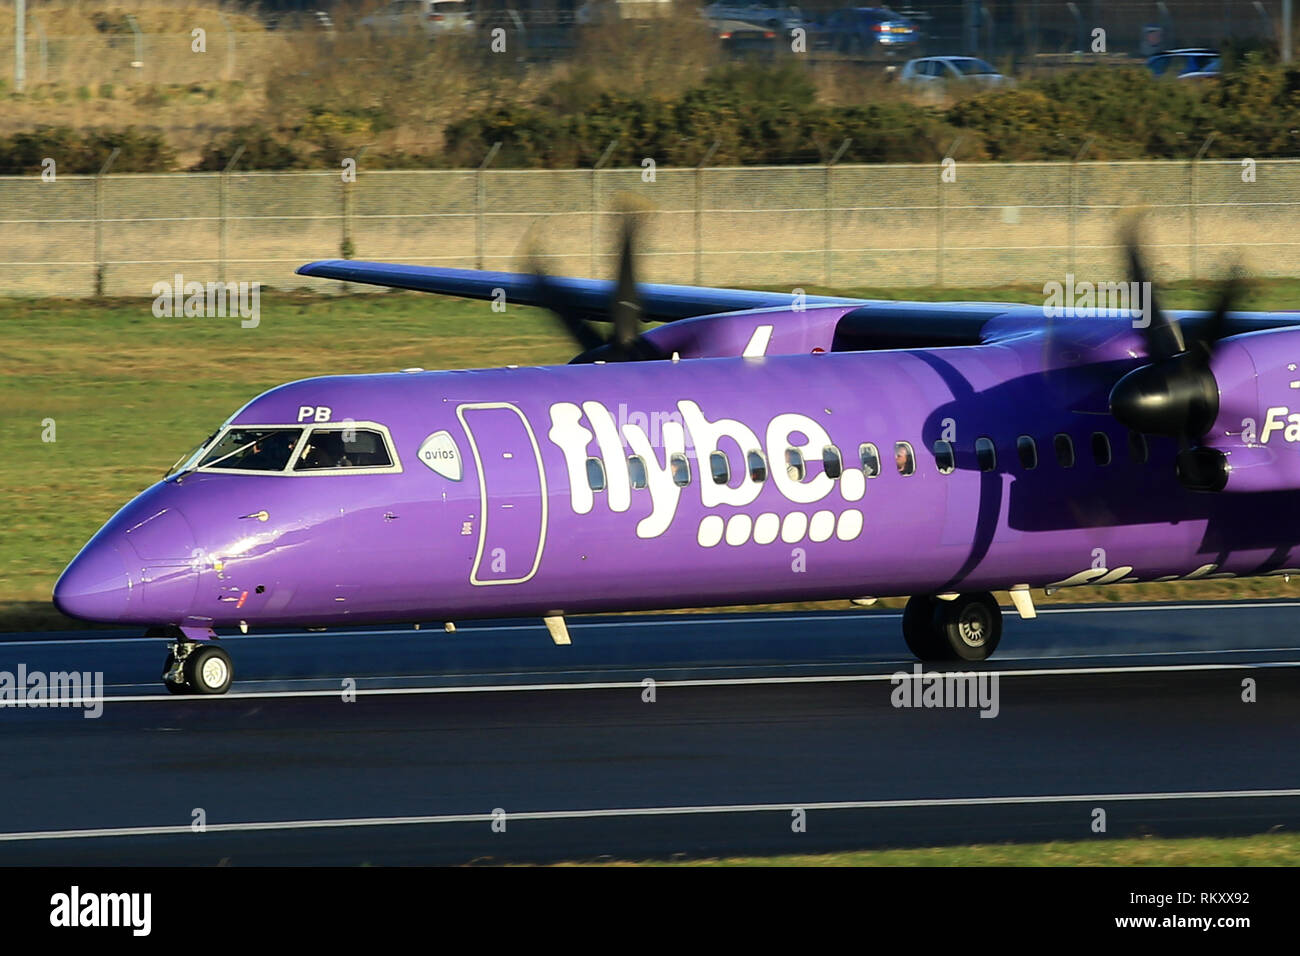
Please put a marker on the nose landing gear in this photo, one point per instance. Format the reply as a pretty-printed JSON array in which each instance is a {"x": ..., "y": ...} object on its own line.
[
  {"x": 194, "y": 667},
  {"x": 966, "y": 628}
]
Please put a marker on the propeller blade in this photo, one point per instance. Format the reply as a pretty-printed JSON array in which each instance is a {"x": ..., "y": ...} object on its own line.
[
  {"x": 552, "y": 299},
  {"x": 1164, "y": 338},
  {"x": 1207, "y": 333},
  {"x": 625, "y": 311},
  {"x": 625, "y": 343}
]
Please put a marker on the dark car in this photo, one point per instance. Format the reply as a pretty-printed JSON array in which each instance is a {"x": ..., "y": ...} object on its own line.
[
  {"x": 865, "y": 30},
  {"x": 739, "y": 36},
  {"x": 1192, "y": 63}
]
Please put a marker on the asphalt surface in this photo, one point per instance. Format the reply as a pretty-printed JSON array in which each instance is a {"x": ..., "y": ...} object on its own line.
[{"x": 493, "y": 744}]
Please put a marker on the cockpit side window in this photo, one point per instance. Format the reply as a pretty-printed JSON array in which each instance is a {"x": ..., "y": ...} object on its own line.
[
  {"x": 331, "y": 448},
  {"x": 253, "y": 449}
]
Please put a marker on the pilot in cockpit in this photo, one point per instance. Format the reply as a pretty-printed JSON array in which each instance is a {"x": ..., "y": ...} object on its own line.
[{"x": 270, "y": 452}]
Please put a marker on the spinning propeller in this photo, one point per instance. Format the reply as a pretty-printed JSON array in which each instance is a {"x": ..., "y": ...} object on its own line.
[
  {"x": 1176, "y": 394},
  {"x": 626, "y": 343}
]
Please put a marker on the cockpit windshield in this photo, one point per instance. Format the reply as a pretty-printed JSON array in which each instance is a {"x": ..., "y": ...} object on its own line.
[
  {"x": 190, "y": 460},
  {"x": 253, "y": 449}
]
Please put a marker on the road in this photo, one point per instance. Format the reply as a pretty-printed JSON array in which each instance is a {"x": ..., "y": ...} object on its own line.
[{"x": 762, "y": 733}]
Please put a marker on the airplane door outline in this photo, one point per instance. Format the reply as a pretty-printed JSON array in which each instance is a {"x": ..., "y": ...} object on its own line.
[{"x": 483, "y": 493}]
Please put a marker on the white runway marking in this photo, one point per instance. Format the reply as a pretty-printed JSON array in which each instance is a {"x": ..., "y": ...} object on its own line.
[
  {"x": 676, "y": 620},
  {"x": 637, "y": 684},
  {"x": 186, "y": 829}
]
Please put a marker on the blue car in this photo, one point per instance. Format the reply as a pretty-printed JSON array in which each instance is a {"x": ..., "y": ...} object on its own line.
[
  {"x": 1192, "y": 63},
  {"x": 865, "y": 30}
]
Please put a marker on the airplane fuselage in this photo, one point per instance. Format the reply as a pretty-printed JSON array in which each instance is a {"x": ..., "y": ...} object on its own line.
[{"x": 751, "y": 480}]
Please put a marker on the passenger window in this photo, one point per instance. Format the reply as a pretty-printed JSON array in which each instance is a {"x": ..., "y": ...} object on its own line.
[
  {"x": 832, "y": 464},
  {"x": 794, "y": 466},
  {"x": 870, "y": 460},
  {"x": 636, "y": 471},
  {"x": 1137, "y": 448},
  {"x": 720, "y": 467},
  {"x": 944, "y": 458},
  {"x": 681, "y": 469},
  {"x": 1064, "y": 450},
  {"x": 757, "y": 466},
  {"x": 986, "y": 455},
  {"x": 596, "y": 474},
  {"x": 343, "y": 448},
  {"x": 903, "y": 458},
  {"x": 1028, "y": 452},
  {"x": 1100, "y": 448}
]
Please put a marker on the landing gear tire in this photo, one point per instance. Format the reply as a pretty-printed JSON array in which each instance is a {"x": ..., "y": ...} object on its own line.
[
  {"x": 918, "y": 628},
  {"x": 197, "y": 668},
  {"x": 967, "y": 628},
  {"x": 208, "y": 671}
]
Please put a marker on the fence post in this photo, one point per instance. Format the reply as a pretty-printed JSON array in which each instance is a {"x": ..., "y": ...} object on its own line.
[
  {"x": 699, "y": 212},
  {"x": 20, "y": 45},
  {"x": 138, "y": 62},
  {"x": 99, "y": 222},
  {"x": 595, "y": 202},
  {"x": 347, "y": 249},
  {"x": 1285, "y": 35},
  {"x": 1074, "y": 204},
  {"x": 480, "y": 204},
  {"x": 941, "y": 213},
  {"x": 222, "y": 199},
  {"x": 828, "y": 266},
  {"x": 44, "y": 46},
  {"x": 230, "y": 46},
  {"x": 1195, "y": 190}
]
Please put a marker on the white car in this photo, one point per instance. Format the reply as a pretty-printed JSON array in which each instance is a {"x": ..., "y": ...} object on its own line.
[
  {"x": 933, "y": 72},
  {"x": 432, "y": 16}
]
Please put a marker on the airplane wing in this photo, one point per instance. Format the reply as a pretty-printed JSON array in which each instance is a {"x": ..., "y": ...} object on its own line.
[{"x": 660, "y": 303}]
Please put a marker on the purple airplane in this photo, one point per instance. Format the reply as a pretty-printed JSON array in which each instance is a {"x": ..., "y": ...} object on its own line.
[{"x": 758, "y": 447}]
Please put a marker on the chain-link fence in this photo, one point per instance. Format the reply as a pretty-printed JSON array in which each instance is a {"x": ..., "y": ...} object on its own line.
[{"x": 967, "y": 224}]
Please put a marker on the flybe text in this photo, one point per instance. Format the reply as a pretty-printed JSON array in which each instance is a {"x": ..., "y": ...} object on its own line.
[
  {"x": 573, "y": 428},
  {"x": 1281, "y": 419}
]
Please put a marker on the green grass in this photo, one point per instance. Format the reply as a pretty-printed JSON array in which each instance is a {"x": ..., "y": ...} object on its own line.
[
  {"x": 1271, "y": 849},
  {"x": 129, "y": 393}
]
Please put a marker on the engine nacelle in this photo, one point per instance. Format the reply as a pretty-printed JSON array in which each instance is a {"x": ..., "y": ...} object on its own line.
[{"x": 1257, "y": 430}]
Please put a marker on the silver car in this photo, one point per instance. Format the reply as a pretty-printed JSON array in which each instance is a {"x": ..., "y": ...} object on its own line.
[
  {"x": 432, "y": 16},
  {"x": 770, "y": 14},
  {"x": 934, "y": 72}
]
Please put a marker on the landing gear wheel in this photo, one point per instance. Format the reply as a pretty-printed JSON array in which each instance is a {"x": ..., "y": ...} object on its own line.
[
  {"x": 966, "y": 628},
  {"x": 173, "y": 686},
  {"x": 918, "y": 628},
  {"x": 969, "y": 626},
  {"x": 208, "y": 671}
]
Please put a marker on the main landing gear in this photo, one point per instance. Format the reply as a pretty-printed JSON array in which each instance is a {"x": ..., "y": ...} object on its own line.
[
  {"x": 965, "y": 628},
  {"x": 197, "y": 667}
]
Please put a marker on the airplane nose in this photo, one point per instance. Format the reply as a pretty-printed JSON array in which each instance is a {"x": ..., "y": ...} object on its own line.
[{"x": 95, "y": 586}]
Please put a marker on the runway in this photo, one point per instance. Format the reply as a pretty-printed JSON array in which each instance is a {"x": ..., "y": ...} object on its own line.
[{"x": 765, "y": 733}]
